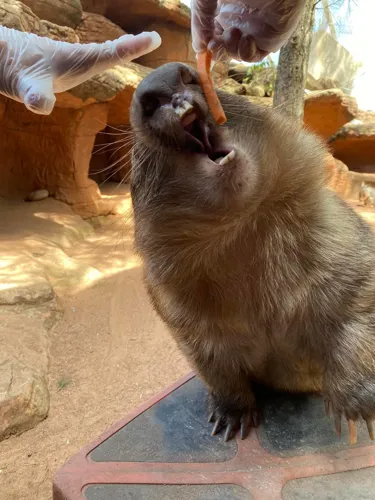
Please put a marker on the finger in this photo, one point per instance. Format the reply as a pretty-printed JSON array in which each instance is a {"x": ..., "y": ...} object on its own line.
[
  {"x": 75, "y": 63},
  {"x": 231, "y": 39},
  {"x": 202, "y": 23},
  {"x": 40, "y": 98},
  {"x": 131, "y": 47}
]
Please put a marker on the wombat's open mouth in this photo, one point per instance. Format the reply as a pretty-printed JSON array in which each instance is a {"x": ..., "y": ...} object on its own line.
[{"x": 201, "y": 139}]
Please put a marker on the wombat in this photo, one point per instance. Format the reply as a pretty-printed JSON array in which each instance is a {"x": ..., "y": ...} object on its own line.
[{"x": 263, "y": 275}]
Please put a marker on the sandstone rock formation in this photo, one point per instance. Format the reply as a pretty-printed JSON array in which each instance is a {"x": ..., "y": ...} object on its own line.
[
  {"x": 254, "y": 89},
  {"x": 338, "y": 176},
  {"x": 54, "y": 153},
  {"x": 16, "y": 15},
  {"x": 176, "y": 46},
  {"x": 111, "y": 158},
  {"x": 354, "y": 144},
  {"x": 51, "y": 152},
  {"x": 61, "y": 12},
  {"x": 59, "y": 147},
  {"x": 328, "y": 110},
  {"x": 98, "y": 29},
  {"x": 232, "y": 87}
]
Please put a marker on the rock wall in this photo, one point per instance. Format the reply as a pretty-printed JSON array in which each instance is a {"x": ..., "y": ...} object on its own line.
[{"x": 55, "y": 152}]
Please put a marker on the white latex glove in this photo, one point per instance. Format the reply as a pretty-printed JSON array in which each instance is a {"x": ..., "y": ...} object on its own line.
[
  {"x": 34, "y": 68},
  {"x": 246, "y": 30}
]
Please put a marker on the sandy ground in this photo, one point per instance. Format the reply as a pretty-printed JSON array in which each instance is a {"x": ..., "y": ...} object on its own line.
[{"x": 108, "y": 355}]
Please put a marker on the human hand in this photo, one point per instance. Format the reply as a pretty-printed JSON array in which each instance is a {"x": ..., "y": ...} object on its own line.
[
  {"x": 246, "y": 30},
  {"x": 33, "y": 68}
]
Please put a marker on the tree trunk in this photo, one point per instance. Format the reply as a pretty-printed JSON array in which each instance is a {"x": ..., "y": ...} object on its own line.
[{"x": 292, "y": 67}]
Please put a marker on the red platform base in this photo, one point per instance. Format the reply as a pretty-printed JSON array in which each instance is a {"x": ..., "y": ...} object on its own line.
[{"x": 164, "y": 451}]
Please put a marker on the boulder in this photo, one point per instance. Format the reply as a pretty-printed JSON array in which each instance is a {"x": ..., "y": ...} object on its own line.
[
  {"x": 59, "y": 33},
  {"x": 354, "y": 144},
  {"x": 16, "y": 15},
  {"x": 176, "y": 46},
  {"x": 254, "y": 89},
  {"x": 170, "y": 18},
  {"x": 238, "y": 71},
  {"x": 61, "y": 12},
  {"x": 135, "y": 16},
  {"x": 263, "y": 77},
  {"x": 328, "y": 110},
  {"x": 24, "y": 396},
  {"x": 98, "y": 29},
  {"x": 232, "y": 87},
  {"x": 95, "y": 6},
  {"x": 262, "y": 101},
  {"x": 115, "y": 86}
]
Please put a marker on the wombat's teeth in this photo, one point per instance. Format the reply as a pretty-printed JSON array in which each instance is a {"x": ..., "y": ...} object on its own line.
[
  {"x": 184, "y": 109},
  {"x": 230, "y": 156}
]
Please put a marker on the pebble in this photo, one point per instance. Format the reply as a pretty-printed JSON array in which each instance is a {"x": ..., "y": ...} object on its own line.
[{"x": 38, "y": 195}]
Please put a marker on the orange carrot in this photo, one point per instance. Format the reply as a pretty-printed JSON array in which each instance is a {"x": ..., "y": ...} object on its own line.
[{"x": 204, "y": 71}]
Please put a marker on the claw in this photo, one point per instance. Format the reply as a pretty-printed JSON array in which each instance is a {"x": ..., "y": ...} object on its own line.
[
  {"x": 370, "y": 428},
  {"x": 228, "y": 432},
  {"x": 327, "y": 407},
  {"x": 352, "y": 431},
  {"x": 337, "y": 420},
  {"x": 255, "y": 419},
  {"x": 216, "y": 428},
  {"x": 245, "y": 420},
  {"x": 211, "y": 417}
]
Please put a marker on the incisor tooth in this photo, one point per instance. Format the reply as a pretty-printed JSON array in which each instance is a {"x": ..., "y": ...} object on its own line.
[
  {"x": 186, "y": 105},
  {"x": 230, "y": 156},
  {"x": 184, "y": 109}
]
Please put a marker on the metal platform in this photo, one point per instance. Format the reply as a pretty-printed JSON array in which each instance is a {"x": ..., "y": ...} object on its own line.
[{"x": 164, "y": 451}]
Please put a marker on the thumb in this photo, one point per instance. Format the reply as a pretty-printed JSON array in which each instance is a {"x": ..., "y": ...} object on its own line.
[
  {"x": 75, "y": 63},
  {"x": 38, "y": 95}
]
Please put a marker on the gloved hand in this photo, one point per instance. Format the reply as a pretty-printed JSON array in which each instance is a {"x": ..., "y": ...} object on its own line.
[
  {"x": 246, "y": 30},
  {"x": 33, "y": 68}
]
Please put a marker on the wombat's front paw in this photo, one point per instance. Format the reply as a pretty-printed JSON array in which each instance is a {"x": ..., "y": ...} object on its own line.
[
  {"x": 356, "y": 400},
  {"x": 232, "y": 417}
]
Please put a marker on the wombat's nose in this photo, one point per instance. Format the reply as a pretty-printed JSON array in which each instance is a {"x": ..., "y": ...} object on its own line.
[
  {"x": 180, "y": 98},
  {"x": 166, "y": 85}
]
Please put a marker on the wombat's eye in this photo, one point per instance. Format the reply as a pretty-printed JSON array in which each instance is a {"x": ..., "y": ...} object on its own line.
[{"x": 150, "y": 103}]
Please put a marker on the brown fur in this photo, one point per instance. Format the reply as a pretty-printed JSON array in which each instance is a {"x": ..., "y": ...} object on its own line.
[{"x": 263, "y": 275}]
